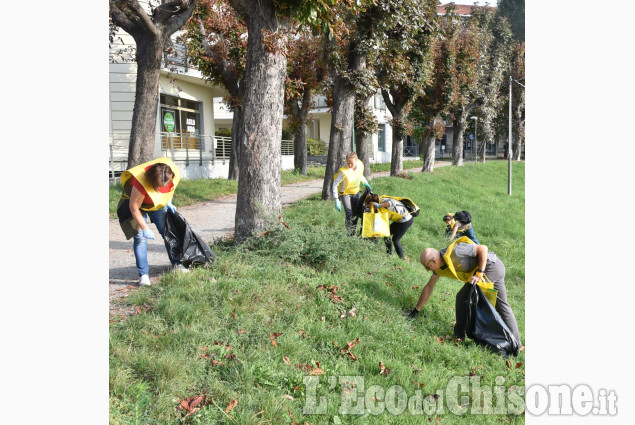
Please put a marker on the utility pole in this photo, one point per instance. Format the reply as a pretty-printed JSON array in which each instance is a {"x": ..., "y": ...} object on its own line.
[{"x": 509, "y": 142}]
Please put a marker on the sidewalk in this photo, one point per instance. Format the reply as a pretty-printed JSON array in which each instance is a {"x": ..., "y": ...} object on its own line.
[{"x": 211, "y": 220}]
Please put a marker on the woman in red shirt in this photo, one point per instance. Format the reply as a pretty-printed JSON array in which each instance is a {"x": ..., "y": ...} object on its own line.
[{"x": 147, "y": 191}]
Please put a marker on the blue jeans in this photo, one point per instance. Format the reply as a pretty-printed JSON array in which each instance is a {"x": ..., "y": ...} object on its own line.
[{"x": 140, "y": 245}]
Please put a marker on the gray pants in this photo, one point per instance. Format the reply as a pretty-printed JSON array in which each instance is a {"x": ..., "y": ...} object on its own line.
[
  {"x": 348, "y": 202},
  {"x": 496, "y": 273}
]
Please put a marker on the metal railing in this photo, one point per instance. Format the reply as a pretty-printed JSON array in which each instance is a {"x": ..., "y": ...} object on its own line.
[{"x": 180, "y": 146}]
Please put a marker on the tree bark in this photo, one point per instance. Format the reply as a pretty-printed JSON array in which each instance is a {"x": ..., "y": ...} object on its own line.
[
  {"x": 427, "y": 146},
  {"x": 362, "y": 141},
  {"x": 259, "y": 200},
  {"x": 396, "y": 105},
  {"x": 234, "y": 155},
  {"x": 299, "y": 139},
  {"x": 457, "y": 138},
  {"x": 341, "y": 131},
  {"x": 144, "y": 113}
]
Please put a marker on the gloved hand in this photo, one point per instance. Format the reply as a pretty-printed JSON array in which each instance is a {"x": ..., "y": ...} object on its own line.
[
  {"x": 377, "y": 205},
  {"x": 413, "y": 313},
  {"x": 171, "y": 207},
  {"x": 147, "y": 233},
  {"x": 338, "y": 205},
  {"x": 368, "y": 186}
]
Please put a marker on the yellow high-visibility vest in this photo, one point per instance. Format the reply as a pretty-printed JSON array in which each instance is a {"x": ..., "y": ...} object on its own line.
[
  {"x": 159, "y": 199},
  {"x": 453, "y": 263},
  {"x": 352, "y": 179}
]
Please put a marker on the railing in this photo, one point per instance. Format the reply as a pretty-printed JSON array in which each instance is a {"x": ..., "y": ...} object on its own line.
[{"x": 180, "y": 146}]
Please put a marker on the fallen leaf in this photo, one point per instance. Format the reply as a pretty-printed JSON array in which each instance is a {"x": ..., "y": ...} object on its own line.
[
  {"x": 317, "y": 371},
  {"x": 343, "y": 314},
  {"x": 349, "y": 354},
  {"x": 241, "y": 331},
  {"x": 383, "y": 370},
  {"x": 273, "y": 337},
  {"x": 231, "y": 405},
  {"x": 352, "y": 313},
  {"x": 473, "y": 372},
  {"x": 286, "y": 360},
  {"x": 297, "y": 387},
  {"x": 508, "y": 363},
  {"x": 351, "y": 344},
  {"x": 420, "y": 384},
  {"x": 288, "y": 397},
  {"x": 216, "y": 362},
  {"x": 519, "y": 364},
  {"x": 302, "y": 333},
  {"x": 231, "y": 356},
  {"x": 389, "y": 284}
]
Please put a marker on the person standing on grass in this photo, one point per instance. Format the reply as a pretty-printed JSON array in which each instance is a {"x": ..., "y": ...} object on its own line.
[
  {"x": 461, "y": 223},
  {"x": 147, "y": 191},
  {"x": 400, "y": 221},
  {"x": 468, "y": 263},
  {"x": 346, "y": 184}
]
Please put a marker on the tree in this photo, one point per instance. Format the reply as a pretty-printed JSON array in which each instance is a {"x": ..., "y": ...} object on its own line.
[
  {"x": 467, "y": 94},
  {"x": 404, "y": 68},
  {"x": 217, "y": 43},
  {"x": 306, "y": 71},
  {"x": 495, "y": 61},
  {"x": 514, "y": 11},
  {"x": 151, "y": 31},
  {"x": 356, "y": 34},
  {"x": 433, "y": 107}
]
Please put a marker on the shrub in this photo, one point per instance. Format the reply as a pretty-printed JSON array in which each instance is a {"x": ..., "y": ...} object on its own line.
[
  {"x": 224, "y": 132},
  {"x": 315, "y": 146}
]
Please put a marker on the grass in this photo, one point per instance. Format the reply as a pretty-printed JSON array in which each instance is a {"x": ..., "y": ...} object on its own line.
[{"x": 271, "y": 284}]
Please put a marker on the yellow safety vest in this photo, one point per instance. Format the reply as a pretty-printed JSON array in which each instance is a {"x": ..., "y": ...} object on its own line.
[
  {"x": 454, "y": 267},
  {"x": 352, "y": 179},
  {"x": 394, "y": 216},
  {"x": 159, "y": 199}
]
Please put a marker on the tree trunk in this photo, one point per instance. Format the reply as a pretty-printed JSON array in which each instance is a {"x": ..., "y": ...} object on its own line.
[
  {"x": 362, "y": 141},
  {"x": 259, "y": 201},
  {"x": 427, "y": 146},
  {"x": 457, "y": 139},
  {"x": 396, "y": 156},
  {"x": 234, "y": 155},
  {"x": 144, "y": 113},
  {"x": 299, "y": 140},
  {"x": 427, "y": 150},
  {"x": 341, "y": 131}
]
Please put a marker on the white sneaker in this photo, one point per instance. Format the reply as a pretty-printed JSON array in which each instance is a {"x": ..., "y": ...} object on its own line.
[
  {"x": 144, "y": 280},
  {"x": 181, "y": 268}
]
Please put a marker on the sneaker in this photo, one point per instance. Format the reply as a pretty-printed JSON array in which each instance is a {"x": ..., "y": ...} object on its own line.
[
  {"x": 144, "y": 280},
  {"x": 181, "y": 268}
]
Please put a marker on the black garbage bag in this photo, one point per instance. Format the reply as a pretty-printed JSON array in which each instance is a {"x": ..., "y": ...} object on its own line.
[
  {"x": 486, "y": 327},
  {"x": 184, "y": 244}
]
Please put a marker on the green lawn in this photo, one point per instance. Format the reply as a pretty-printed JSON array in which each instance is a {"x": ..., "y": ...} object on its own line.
[{"x": 233, "y": 311}]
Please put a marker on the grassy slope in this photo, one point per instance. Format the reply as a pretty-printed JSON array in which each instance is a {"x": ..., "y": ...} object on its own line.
[{"x": 269, "y": 286}]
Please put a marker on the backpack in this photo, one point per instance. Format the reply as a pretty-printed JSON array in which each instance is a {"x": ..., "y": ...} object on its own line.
[{"x": 463, "y": 216}]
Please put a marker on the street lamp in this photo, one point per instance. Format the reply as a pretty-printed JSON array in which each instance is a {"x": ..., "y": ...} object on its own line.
[{"x": 475, "y": 139}]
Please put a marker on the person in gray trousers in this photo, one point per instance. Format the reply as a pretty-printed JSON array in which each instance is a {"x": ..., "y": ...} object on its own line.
[{"x": 470, "y": 261}]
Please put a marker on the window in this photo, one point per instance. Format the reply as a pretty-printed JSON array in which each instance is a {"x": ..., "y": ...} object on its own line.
[
  {"x": 180, "y": 123},
  {"x": 381, "y": 138}
]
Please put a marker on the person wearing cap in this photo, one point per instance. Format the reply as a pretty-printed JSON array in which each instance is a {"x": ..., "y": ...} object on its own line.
[
  {"x": 469, "y": 263},
  {"x": 461, "y": 224},
  {"x": 346, "y": 184}
]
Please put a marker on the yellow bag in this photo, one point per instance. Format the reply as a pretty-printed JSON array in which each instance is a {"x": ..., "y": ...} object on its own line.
[
  {"x": 376, "y": 224},
  {"x": 488, "y": 290}
]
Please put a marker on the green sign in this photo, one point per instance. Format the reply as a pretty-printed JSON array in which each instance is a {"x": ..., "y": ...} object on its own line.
[{"x": 168, "y": 121}]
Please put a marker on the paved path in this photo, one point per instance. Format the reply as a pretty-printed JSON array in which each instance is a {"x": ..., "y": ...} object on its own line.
[{"x": 212, "y": 220}]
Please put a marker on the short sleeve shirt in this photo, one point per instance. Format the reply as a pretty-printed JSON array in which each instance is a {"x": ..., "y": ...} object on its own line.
[
  {"x": 466, "y": 254},
  {"x": 397, "y": 207}
]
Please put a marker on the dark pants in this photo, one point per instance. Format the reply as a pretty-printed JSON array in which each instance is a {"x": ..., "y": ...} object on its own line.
[
  {"x": 496, "y": 273},
  {"x": 349, "y": 201},
  {"x": 397, "y": 230}
]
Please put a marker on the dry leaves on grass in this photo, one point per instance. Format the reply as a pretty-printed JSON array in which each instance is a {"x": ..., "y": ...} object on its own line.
[
  {"x": 347, "y": 351},
  {"x": 473, "y": 372},
  {"x": 273, "y": 336},
  {"x": 308, "y": 367},
  {"x": 231, "y": 405},
  {"x": 383, "y": 370},
  {"x": 193, "y": 404},
  {"x": 331, "y": 293}
]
